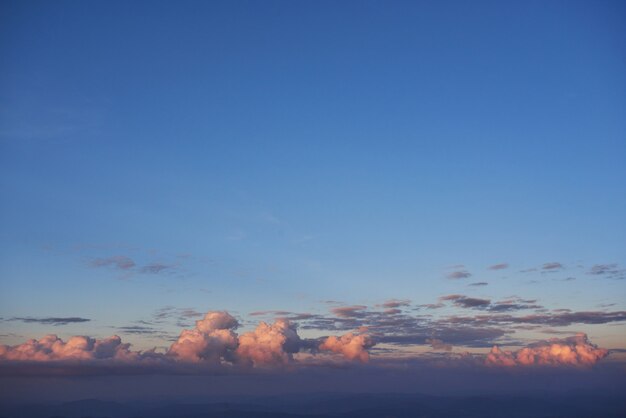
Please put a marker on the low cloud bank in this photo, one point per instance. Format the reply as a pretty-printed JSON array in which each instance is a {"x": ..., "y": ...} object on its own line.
[
  {"x": 52, "y": 347},
  {"x": 212, "y": 342},
  {"x": 572, "y": 351}
]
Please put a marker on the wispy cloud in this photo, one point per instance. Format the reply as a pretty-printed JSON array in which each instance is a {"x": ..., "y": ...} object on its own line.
[
  {"x": 612, "y": 271},
  {"x": 51, "y": 320},
  {"x": 466, "y": 302},
  {"x": 500, "y": 266},
  {"x": 156, "y": 268},
  {"x": 552, "y": 266},
  {"x": 119, "y": 262},
  {"x": 459, "y": 274}
]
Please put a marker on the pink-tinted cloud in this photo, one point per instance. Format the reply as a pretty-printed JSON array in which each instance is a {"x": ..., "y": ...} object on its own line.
[
  {"x": 572, "y": 351},
  {"x": 211, "y": 344},
  {"x": 269, "y": 345},
  {"x": 353, "y": 347},
  {"x": 52, "y": 347},
  {"x": 212, "y": 340}
]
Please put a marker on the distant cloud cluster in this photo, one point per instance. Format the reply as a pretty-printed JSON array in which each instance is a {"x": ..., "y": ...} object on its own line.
[
  {"x": 127, "y": 265},
  {"x": 612, "y": 271},
  {"x": 213, "y": 342},
  {"x": 51, "y": 348},
  {"x": 571, "y": 351}
]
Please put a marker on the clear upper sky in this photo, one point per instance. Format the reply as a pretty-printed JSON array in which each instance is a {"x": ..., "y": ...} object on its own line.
[{"x": 274, "y": 155}]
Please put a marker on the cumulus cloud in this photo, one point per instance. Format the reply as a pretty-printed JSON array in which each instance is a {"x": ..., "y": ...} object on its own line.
[
  {"x": 212, "y": 340},
  {"x": 52, "y": 347},
  {"x": 571, "y": 351},
  {"x": 270, "y": 345},
  {"x": 210, "y": 345},
  {"x": 353, "y": 347}
]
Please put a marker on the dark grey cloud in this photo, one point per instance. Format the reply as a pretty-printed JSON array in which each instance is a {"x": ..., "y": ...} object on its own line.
[
  {"x": 508, "y": 307},
  {"x": 459, "y": 274},
  {"x": 269, "y": 313},
  {"x": 119, "y": 262},
  {"x": 466, "y": 302},
  {"x": 555, "y": 319},
  {"x": 51, "y": 320},
  {"x": 137, "y": 329},
  {"x": 500, "y": 266},
  {"x": 478, "y": 284}
]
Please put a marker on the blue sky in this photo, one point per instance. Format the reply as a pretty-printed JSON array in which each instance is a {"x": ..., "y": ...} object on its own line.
[{"x": 274, "y": 155}]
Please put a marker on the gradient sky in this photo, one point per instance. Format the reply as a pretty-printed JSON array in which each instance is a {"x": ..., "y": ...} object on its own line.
[{"x": 160, "y": 159}]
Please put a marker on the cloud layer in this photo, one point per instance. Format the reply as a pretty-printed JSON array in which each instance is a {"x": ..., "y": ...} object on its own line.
[{"x": 212, "y": 342}]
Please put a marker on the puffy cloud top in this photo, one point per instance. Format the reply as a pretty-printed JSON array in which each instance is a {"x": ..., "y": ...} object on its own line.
[
  {"x": 212, "y": 340},
  {"x": 353, "y": 347},
  {"x": 52, "y": 347},
  {"x": 573, "y": 351},
  {"x": 270, "y": 345}
]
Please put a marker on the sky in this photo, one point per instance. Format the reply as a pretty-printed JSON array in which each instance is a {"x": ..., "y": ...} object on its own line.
[{"x": 426, "y": 178}]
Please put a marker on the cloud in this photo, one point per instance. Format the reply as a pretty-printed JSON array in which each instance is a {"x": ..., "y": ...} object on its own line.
[
  {"x": 353, "y": 347},
  {"x": 554, "y": 319},
  {"x": 514, "y": 304},
  {"x": 572, "y": 351},
  {"x": 500, "y": 266},
  {"x": 611, "y": 271},
  {"x": 466, "y": 302},
  {"x": 119, "y": 262},
  {"x": 478, "y": 284},
  {"x": 51, "y": 320},
  {"x": 52, "y": 347},
  {"x": 396, "y": 303},
  {"x": 437, "y": 344},
  {"x": 270, "y": 345},
  {"x": 212, "y": 340},
  {"x": 552, "y": 266},
  {"x": 354, "y": 311},
  {"x": 459, "y": 274},
  {"x": 155, "y": 268}
]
